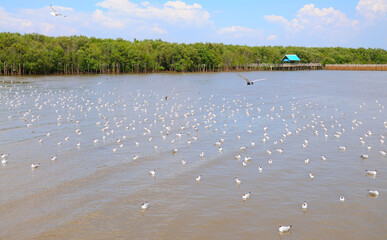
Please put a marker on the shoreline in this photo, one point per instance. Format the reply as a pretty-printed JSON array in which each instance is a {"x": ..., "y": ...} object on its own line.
[{"x": 332, "y": 67}]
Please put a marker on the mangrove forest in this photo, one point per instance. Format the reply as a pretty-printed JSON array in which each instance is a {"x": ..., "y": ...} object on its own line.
[{"x": 39, "y": 54}]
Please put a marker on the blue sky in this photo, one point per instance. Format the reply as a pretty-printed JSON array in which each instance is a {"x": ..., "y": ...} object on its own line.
[{"x": 345, "y": 23}]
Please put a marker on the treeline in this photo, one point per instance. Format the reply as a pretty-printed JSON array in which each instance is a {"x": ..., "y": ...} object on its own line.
[{"x": 39, "y": 54}]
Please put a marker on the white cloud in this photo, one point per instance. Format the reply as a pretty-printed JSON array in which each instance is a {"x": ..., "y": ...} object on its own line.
[
  {"x": 8, "y": 22},
  {"x": 117, "y": 18},
  {"x": 372, "y": 9},
  {"x": 236, "y": 31},
  {"x": 172, "y": 12},
  {"x": 314, "y": 19},
  {"x": 39, "y": 21},
  {"x": 159, "y": 30},
  {"x": 289, "y": 25},
  {"x": 99, "y": 17},
  {"x": 272, "y": 37},
  {"x": 239, "y": 35}
]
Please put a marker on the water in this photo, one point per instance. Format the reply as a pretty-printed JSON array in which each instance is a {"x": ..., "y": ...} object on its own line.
[{"x": 91, "y": 192}]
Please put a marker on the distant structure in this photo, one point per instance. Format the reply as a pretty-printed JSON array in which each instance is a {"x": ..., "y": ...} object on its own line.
[{"x": 291, "y": 58}]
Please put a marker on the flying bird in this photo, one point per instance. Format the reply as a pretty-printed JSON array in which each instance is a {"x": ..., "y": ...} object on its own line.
[
  {"x": 250, "y": 82},
  {"x": 55, "y": 13}
]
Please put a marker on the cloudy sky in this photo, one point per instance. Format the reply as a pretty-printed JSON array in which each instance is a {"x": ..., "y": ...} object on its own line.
[{"x": 322, "y": 23}]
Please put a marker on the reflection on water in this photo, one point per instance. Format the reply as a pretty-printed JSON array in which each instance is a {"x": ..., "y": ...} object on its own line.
[{"x": 97, "y": 137}]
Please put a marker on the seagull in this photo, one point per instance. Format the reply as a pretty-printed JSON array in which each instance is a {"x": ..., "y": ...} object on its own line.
[
  {"x": 55, "y": 13},
  {"x": 323, "y": 158},
  {"x": 342, "y": 148},
  {"x": 238, "y": 157},
  {"x": 174, "y": 151},
  {"x": 248, "y": 81},
  {"x": 307, "y": 161},
  {"x": 54, "y": 158},
  {"x": 238, "y": 181},
  {"x": 183, "y": 162},
  {"x": 202, "y": 154},
  {"x": 342, "y": 199},
  {"x": 371, "y": 172},
  {"x": 152, "y": 172},
  {"x": 145, "y": 206},
  {"x": 373, "y": 193},
  {"x": 198, "y": 178},
  {"x": 283, "y": 229},
  {"x": 311, "y": 175},
  {"x": 260, "y": 169},
  {"x": 270, "y": 161},
  {"x": 136, "y": 157},
  {"x": 364, "y": 156},
  {"x": 304, "y": 205},
  {"x": 35, "y": 165},
  {"x": 246, "y": 196},
  {"x": 4, "y": 161}
]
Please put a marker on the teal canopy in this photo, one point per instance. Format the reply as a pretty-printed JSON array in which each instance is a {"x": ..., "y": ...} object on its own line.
[{"x": 290, "y": 57}]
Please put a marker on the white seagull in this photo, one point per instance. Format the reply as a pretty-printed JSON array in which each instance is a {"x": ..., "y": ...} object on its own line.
[
  {"x": 55, "y": 13},
  {"x": 373, "y": 193},
  {"x": 246, "y": 196},
  {"x": 283, "y": 229},
  {"x": 238, "y": 181},
  {"x": 372, "y": 172},
  {"x": 304, "y": 205},
  {"x": 364, "y": 156},
  {"x": 198, "y": 178},
  {"x": 35, "y": 165},
  {"x": 152, "y": 172},
  {"x": 145, "y": 206}
]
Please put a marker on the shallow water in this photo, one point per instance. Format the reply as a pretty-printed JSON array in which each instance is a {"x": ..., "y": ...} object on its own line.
[{"x": 92, "y": 192}]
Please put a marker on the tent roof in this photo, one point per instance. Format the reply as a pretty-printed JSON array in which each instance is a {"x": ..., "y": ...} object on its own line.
[{"x": 291, "y": 57}]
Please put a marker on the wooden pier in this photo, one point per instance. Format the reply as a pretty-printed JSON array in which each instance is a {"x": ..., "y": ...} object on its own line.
[
  {"x": 357, "y": 67},
  {"x": 287, "y": 67}
]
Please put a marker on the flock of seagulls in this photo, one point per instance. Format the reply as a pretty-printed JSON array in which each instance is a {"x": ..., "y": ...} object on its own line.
[{"x": 185, "y": 119}]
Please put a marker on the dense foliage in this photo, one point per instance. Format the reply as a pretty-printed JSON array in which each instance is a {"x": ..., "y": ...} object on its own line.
[{"x": 39, "y": 54}]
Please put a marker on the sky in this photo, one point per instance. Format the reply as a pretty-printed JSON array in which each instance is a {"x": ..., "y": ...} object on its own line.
[{"x": 311, "y": 23}]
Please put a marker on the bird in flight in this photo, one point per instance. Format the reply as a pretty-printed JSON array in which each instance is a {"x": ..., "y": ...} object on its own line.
[
  {"x": 250, "y": 82},
  {"x": 55, "y": 13}
]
